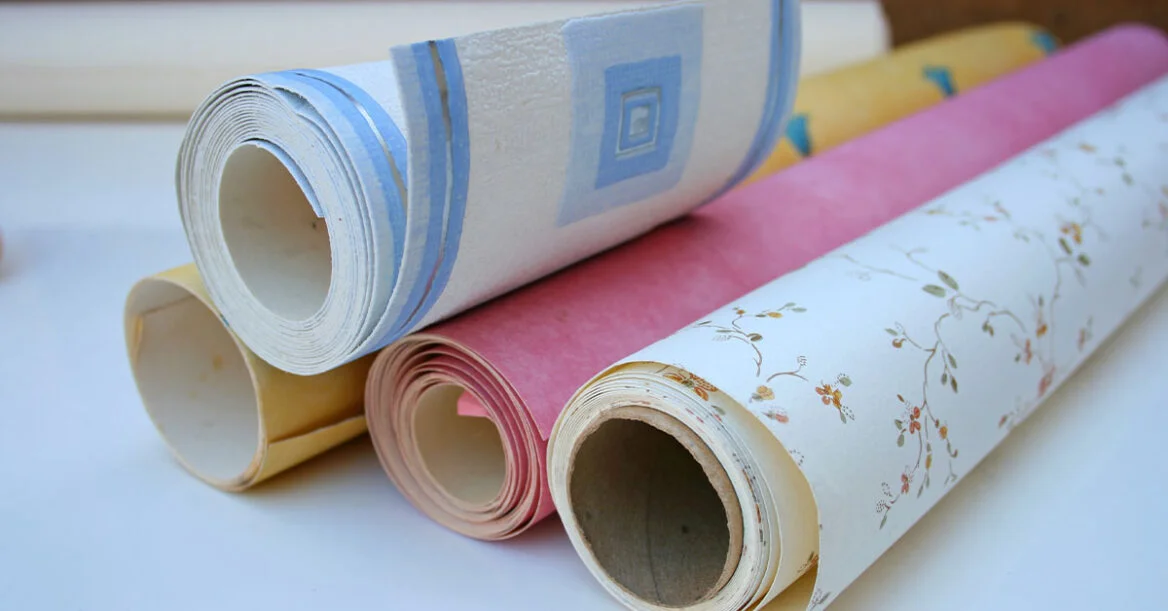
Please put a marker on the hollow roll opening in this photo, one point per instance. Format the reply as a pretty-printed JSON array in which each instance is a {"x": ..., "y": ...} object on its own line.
[
  {"x": 194, "y": 381},
  {"x": 278, "y": 244},
  {"x": 656, "y": 509},
  {"x": 463, "y": 454}
]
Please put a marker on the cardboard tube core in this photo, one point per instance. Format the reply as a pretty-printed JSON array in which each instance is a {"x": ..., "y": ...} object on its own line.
[
  {"x": 278, "y": 244},
  {"x": 463, "y": 454},
  {"x": 194, "y": 381},
  {"x": 655, "y": 507}
]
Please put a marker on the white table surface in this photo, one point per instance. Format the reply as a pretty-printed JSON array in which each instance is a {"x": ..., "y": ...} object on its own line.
[{"x": 1070, "y": 513}]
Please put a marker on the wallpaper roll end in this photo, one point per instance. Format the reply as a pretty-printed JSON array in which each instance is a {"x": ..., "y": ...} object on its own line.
[
  {"x": 654, "y": 506},
  {"x": 478, "y": 470},
  {"x": 229, "y": 418}
]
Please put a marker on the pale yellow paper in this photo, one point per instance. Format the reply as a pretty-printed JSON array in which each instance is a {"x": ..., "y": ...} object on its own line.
[{"x": 230, "y": 418}]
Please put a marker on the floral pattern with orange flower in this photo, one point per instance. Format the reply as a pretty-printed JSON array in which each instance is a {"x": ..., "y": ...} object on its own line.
[
  {"x": 700, "y": 387},
  {"x": 777, "y": 416},
  {"x": 736, "y": 332},
  {"x": 829, "y": 395},
  {"x": 1046, "y": 382},
  {"x": 918, "y": 420},
  {"x": 1074, "y": 231},
  {"x": 763, "y": 393}
]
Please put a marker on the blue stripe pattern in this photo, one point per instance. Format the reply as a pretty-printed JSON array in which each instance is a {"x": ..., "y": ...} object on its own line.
[
  {"x": 451, "y": 147},
  {"x": 377, "y": 139},
  {"x": 780, "y": 95},
  {"x": 392, "y": 142}
]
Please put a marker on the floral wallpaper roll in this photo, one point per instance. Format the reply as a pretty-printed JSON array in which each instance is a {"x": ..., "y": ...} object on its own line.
[
  {"x": 823, "y": 414},
  {"x": 460, "y": 414},
  {"x": 835, "y": 107}
]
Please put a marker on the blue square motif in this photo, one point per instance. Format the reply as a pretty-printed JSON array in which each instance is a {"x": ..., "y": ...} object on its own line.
[
  {"x": 636, "y": 88},
  {"x": 640, "y": 118},
  {"x": 639, "y": 121}
]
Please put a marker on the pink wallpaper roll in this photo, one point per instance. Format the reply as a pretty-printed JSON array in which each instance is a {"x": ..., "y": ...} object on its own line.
[{"x": 460, "y": 413}]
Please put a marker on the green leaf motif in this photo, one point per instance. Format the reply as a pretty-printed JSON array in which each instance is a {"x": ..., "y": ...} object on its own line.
[
  {"x": 799, "y": 310},
  {"x": 953, "y": 383},
  {"x": 884, "y": 520},
  {"x": 1066, "y": 246},
  {"x": 1127, "y": 178},
  {"x": 891, "y": 332},
  {"x": 899, "y": 424},
  {"x": 900, "y": 441},
  {"x": 952, "y": 361},
  {"x": 845, "y": 380},
  {"x": 944, "y": 378},
  {"x": 754, "y": 337},
  {"x": 789, "y": 304},
  {"x": 1084, "y": 260},
  {"x": 724, "y": 331},
  {"x": 934, "y": 290},
  {"x": 921, "y": 490},
  {"x": 947, "y": 279}
]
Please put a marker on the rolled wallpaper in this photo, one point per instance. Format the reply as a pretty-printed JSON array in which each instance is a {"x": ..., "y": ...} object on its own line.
[
  {"x": 908, "y": 80},
  {"x": 460, "y": 414},
  {"x": 333, "y": 211},
  {"x": 796, "y": 433},
  {"x": 159, "y": 59},
  {"x": 231, "y": 419}
]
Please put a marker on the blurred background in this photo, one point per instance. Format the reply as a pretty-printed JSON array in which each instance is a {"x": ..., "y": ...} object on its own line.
[
  {"x": 1069, "y": 20},
  {"x": 156, "y": 60}
]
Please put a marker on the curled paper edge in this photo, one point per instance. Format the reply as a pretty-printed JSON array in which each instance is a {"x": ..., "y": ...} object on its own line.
[{"x": 297, "y": 418}]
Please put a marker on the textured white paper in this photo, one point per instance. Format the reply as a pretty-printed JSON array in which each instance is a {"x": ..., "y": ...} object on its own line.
[
  {"x": 331, "y": 212},
  {"x": 886, "y": 370}
]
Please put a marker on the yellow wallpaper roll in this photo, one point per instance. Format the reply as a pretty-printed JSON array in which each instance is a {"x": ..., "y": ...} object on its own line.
[
  {"x": 231, "y": 419},
  {"x": 838, "y": 106}
]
